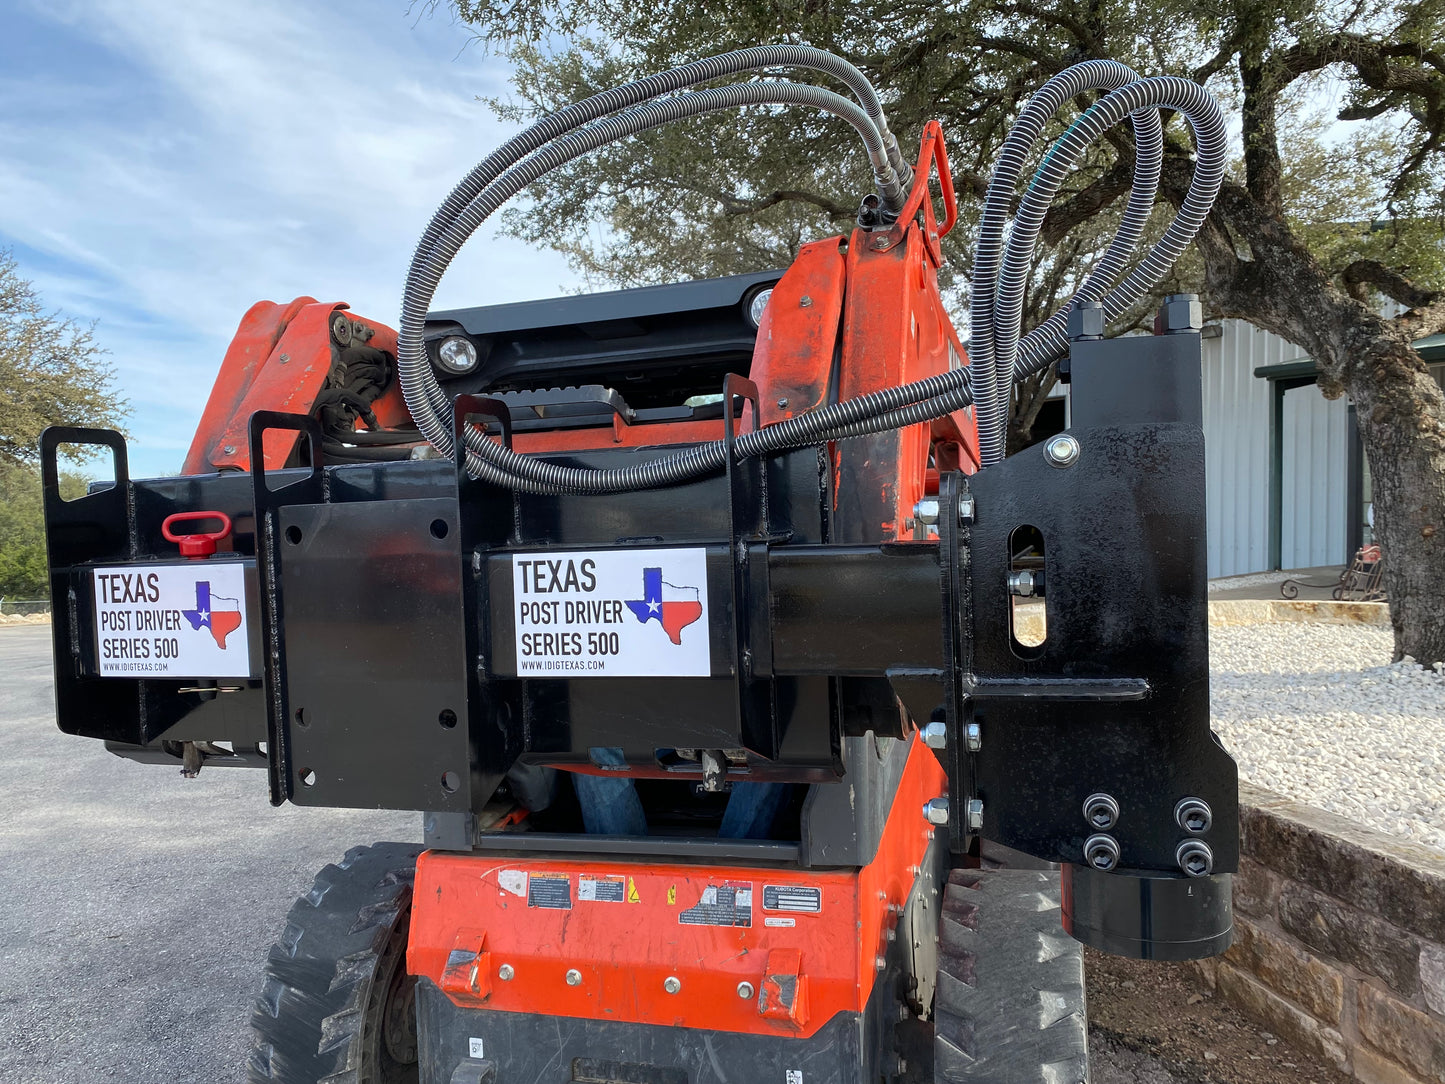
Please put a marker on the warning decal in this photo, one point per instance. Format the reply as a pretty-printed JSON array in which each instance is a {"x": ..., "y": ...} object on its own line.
[
  {"x": 797, "y": 899},
  {"x": 551, "y": 890},
  {"x": 612, "y": 613},
  {"x": 727, "y": 904},
  {"x": 187, "y": 620},
  {"x": 601, "y": 889}
]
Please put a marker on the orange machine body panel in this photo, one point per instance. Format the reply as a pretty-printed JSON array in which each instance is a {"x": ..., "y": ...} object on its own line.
[{"x": 625, "y": 928}]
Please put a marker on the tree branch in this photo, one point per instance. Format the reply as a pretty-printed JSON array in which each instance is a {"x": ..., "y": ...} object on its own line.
[{"x": 1363, "y": 273}]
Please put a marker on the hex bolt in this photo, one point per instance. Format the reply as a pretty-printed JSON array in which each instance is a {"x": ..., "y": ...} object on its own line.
[
  {"x": 1022, "y": 583},
  {"x": 935, "y": 736},
  {"x": 926, "y": 510},
  {"x": 782, "y": 404},
  {"x": 1062, "y": 450},
  {"x": 1101, "y": 811},
  {"x": 1193, "y": 815},
  {"x": 805, "y": 302},
  {"x": 1195, "y": 858},
  {"x": 574, "y": 977},
  {"x": 965, "y": 509},
  {"x": 745, "y": 991},
  {"x": 1101, "y": 852},
  {"x": 973, "y": 737},
  {"x": 975, "y": 813},
  {"x": 229, "y": 449},
  {"x": 881, "y": 243},
  {"x": 505, "y": 973},
  {"x": 284, "y": 358},
  {"x": 672, "y": 984},
  {"x": 935, "y": 811},
  {"x": 880, "y": 963}
]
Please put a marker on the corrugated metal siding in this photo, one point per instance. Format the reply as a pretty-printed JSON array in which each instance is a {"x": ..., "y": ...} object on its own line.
[
  {"x": 1236, "y": 441},
  {"x": 1314, "y": 486}
]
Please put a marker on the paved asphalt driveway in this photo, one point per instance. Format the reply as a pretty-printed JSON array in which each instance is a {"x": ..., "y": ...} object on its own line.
[{"x": 136, "y": 907}]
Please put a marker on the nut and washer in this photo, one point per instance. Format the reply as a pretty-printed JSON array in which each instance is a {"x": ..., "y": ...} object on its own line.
[
  {"x": 966, "y": 509},
  {"x": 672, "y": 984},
  {"x": 975, "y": 813},
  {"x": 1195, "y": 858},
  {"x": 1101, "y": 852},
  {"x": 574, "y": 977},
  {"x": 926, "y": 510},
  {"x": 1193, "y": 815},
  {"x": 1101, "y": 811},
  {"x": 505, "y": 972},
  {"x": 1062, "y": 450},
  {"x": 935, "y": 736},
  {"x": 973, "y": 737},
  {"x": 745, "y": 991},
  {"x": 1022, "y": 583},
  {"x": 935, "y": 811}
]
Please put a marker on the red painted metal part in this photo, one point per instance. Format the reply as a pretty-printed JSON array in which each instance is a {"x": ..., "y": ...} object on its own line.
[
  {"x": 279, "y": 359},
  {"x": 471, "y": 915},
  {"x": 194, "y": 544}
]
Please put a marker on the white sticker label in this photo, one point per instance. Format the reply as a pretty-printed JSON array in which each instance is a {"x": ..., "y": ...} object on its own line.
[
  {"x": 795, "y": 1076},
  {"x": 474, "y": 1047},
  {"x": 780, "y": 920},
  {"x": 513, "y": 881},
  {"x": 187, "y": 620},
  {"x": 612, "y": 613}
]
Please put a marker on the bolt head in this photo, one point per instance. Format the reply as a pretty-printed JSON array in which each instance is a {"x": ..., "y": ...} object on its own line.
[
  {"x": 973, "y": 737},
  {"x": 881, "y": 242},
  {"x": 935, "y": 736},
  {"x": 965, "y": 510},
  {"x": 505, "y": 973},
  {"x": 745, "y": 991},
  {"x": 574, "y": 977},
  {"x": 284, "y": 358},
  {"x": 1062, "y": 450},
  {"x": 935, "y": 811},
  {"x": 672, "y": 984},
  {"x": 880, "y": 963},
  {"x": 229, "y": 449},
  {"x": 975, "y": 813},
  {"x": 926, "y": 510},
  {"x": 1101, "y": 852},
  {"x": 782, "y": 404},
  {"x": 805, "y": 302}
]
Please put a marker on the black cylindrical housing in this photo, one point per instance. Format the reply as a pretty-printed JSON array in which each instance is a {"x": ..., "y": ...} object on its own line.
[{"x": 1148, "y": 915}]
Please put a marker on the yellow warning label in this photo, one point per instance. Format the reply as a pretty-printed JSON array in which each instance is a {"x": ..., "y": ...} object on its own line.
[
  {"x": 632, "y": 896},
  {"x": 672, "y": 896}
]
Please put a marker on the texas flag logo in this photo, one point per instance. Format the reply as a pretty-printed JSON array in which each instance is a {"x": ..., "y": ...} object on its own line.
[
  {"x": 221, "y": 615},
  {"x": 672, "y": 607}
]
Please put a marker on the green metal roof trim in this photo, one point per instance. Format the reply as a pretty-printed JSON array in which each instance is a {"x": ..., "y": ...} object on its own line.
[{"x": 1431, "y": 348}]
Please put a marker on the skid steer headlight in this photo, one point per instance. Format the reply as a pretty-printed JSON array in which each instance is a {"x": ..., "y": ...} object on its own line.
[
  {"x": 457, "y": 355},
  {"x": 757, "y": 305}
]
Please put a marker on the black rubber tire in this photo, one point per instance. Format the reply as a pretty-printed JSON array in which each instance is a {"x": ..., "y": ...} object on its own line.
[
  {"x": 1009, "y": 1007},
  {"x": 336, "y": 1005}
]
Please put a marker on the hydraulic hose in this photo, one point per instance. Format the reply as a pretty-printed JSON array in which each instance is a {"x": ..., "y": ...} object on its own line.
[
  {"x": 1049, "y": 340},
  {"x": 887, "y": 408},
  {"x": 993, "y": 381}
]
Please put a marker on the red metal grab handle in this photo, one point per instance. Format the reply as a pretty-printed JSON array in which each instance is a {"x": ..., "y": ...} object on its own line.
[{"x": 197, "y": 543}]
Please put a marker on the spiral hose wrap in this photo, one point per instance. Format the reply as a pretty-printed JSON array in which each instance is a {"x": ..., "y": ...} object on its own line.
[{"x": 998, "y": 354}]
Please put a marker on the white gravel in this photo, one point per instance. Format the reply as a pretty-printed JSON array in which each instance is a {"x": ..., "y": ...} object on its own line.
[{"x": 1316, "y": 712}]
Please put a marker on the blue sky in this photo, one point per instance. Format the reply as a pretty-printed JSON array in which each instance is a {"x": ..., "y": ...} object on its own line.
[{"x": 165, "y": 165}]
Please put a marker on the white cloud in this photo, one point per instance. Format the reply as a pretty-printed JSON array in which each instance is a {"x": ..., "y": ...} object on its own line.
[{"x": 182, "y": 161}]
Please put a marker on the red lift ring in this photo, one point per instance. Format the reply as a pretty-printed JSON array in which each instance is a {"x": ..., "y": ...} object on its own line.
[{"x": 196, "y": 544}]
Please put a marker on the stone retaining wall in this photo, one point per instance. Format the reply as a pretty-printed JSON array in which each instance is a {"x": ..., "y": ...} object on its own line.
[{"x": 1339, "y": 941}]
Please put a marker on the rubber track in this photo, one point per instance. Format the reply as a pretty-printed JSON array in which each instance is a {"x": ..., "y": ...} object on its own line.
[
  {"x": 308, "y": 1017},
  {"x": 1010, "y": 1002}
]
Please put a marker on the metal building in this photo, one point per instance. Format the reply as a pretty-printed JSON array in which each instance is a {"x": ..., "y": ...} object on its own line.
[{"x": 1287, "y": 481}]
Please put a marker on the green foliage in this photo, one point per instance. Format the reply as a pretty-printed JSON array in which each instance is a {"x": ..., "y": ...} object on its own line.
[
  {"x": 22, "y": 528},
  {"x": 730, "y": 193},
  {"x": 52, "y": 371}
]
